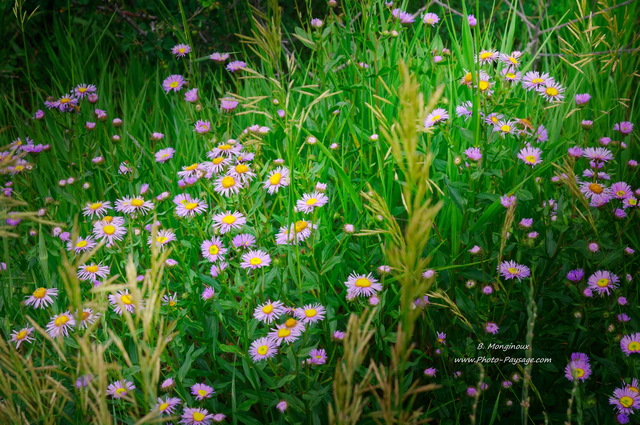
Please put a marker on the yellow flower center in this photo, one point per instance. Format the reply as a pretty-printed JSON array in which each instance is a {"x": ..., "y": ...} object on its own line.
[
  {"x": 494, "y": 119},
  {"x": 510, "y": 75},
  {"x": 301, "y": 225},
  {"x": 202, "y": 393},
  {"x": 537, "y": 81},
  {"x": 626, "y": 401},
  {"x": 39, "y": 293},
  {"x": 181, "y": 50},
  {"x": 126, "y": 299},
  {"x": 173, "y": 84},
  {"x": 505, "y": 128},
  {"x": 436, "y": 118},
  {"x": 513, "y": 270},
  {"x": 267, "y": 309},
  {"x": 96, "y": 206},
  {"x": 107, "y": 219},
  {"x": 620, "y": 193},
  {"x": 213, "y": 249},
  {"x": 262, "y": 350},
  {"x": 551, "y": 91},
  {"x": 363, "y": 282},
  {"x": 275, "y": 179},
  {"x": 85, "y": 315},
  {"x": 634, "y": 389},
  {"x": 228, "y": 182},
  {"x": 61, "y": 320},
  {"x": 467, "y": 77},
  {"x": 81, "y": 244},
  {"x": 595, "y": 188},
  {"x": 311, "y": 312},
  {"x": 137, "y": 202},
  {"x": 530, "y": 159},
  {"x": 603, "y": 283},
  {"x": 283, "y": 333},
  {"x": 65, "y": 100},
  {"x": 241, "y": 168},
  {"x": 121, "y": 391},
  {"x": 21, "y": 335},
  {"x": 162, "y": 239},
  {"x": 312, "y": 201},
  {"x": 224, "y": 147},
  {"x": 190, "y": 205},
  {"x": 634, "y": 346},
  {"x": 255, "y": 261},
  {"x": 218, "y": 160},
  {"x": 483, "y": 85},
  {"x": 513, "y": 60},
  {"x": 109, "y": 229},
  {"x": 578, "y": 373},
  {"x": 485, "y": 55},
  {"x": 191, "y": 167},
  {"x": 633, "y": 201},
  {"x": 229, "y": 219},
  {"x": 18, "y": 168},
  {"x": 163, "y": 407},
  {"x": 290, "y": 323},
  {"x": 172, "y": 303},
  {"x": 82, "y": 89},
  {"x": 92, "y": 268}
]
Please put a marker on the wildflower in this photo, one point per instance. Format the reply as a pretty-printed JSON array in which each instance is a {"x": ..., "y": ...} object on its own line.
[
  {"x": 83, "y": 381},
  {"x": 474, "y": 154},
  {"x": 255, "y": 259},
  {"x": 191, "y": 95},
  {"x": 485, "y": 84},
  {"x": 533, "y": 80},
  {"x": 216, "y": 269},
  {"x": 170, "y": 300},
  {"x": 472, "y": 21},
  {"x": 603, "y": 281},
  {"x": 316, "y": 23},
  {"x": 119, "y": 389},
  {"x": 242, "y": 172},
  {"x": 530, "y": 156},
  {"x": 228, "y": 104},
  {"x": 510, "y": 75},
  {"x": 244, "y": 240},
  {"x": 120, "y": 300},
  {"x": 208, "y": 293},
  {"x": 96, "y": 209},
  {"x": 625, "y": 400},
  {"x": 310, "y": 313},
  {"x": 180, "y": 50},
  {"x": 596, "y": 193},
  {"x": 167, "y": 384},
  {"x": 236, "y": 66},
  {"x": 87, "y": 317},
  {"x": 282, "y": 333},
  {"x": 173, "y": 82},
  {"x": 229, "y": 148},
  {"x": 188, "y": 206},
  {"x": 362, "y": 285},
  {"x": 202, "y": 391},
  {"x": 202, "y": 127},
  {"x": 621, "y": 190},
  {"x": 163, "y": 155},
  {"x": 487, "y": 56},
  {"x": 593, "y": 247},
  {"x": 578, "y": 367},
  {"x": 575, "y": 275},
  {"x": 22, "y": 335},
  {"x": 436, "y": 116},
  {"x": 508, "y": 201},
  {"x": 338, "y": 335},
  {"x": 66, "y": 103},
  {"x": 262, "y": 349},
  {"x": 60, "y": 324},
  {"x": 349, "y": 228},
  {"x": 582, "y": 99},
  {"x": 212, "y": 249},
  {"x": 227, "y": 185},
  {"x": 512, "y": 270},
  {"x": 403, "y": 17},
  {"x": 92, "y": 271},
  {"x": 269, "y": 311},
  {"x": 317, "y": 357},
  {"x": 227, "y": 221},
  {"x": 504, "y": 127},
  {"x": 282, "y": 406},
  {"x": 624, "y": 127},
  {"x": 598, "y": 154},
  {"x": 42, "y": 297},
  {"x": 491, "y": 328},
  {"x": 551, "y": 91},
  {"x": 311, "y": 201},
  {"x": 83, "y": 90},
  {"x": 512, "y": 60},
  {"x": 464, "y": 110},
  {"x": 155, "y": 136},
  {"x": 277, "y": 178},
  {"x": 430, "y": 19},
  {"x": 471, "y": 392},
  {"x": 623, "y": 317},
  {"x": 167, "y": 405},
  {"x": 541, "y": 134},
  {"x": 132, "y": 205},
  {"x": 219, "y": 57},
  {"x": 431, "y": 372},
  {"x": 110, "y": 229},
  {"x": 442, "y": 337}
]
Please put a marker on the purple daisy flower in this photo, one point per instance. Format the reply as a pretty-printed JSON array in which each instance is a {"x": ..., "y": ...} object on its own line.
[
  {"x": 578, "y": 368},
  {"x": 362, "y": 285},
  {"x": 173, "y": 82},
  {"x": 513, "y": 270},
  {"x": 181, "y": 50}
]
